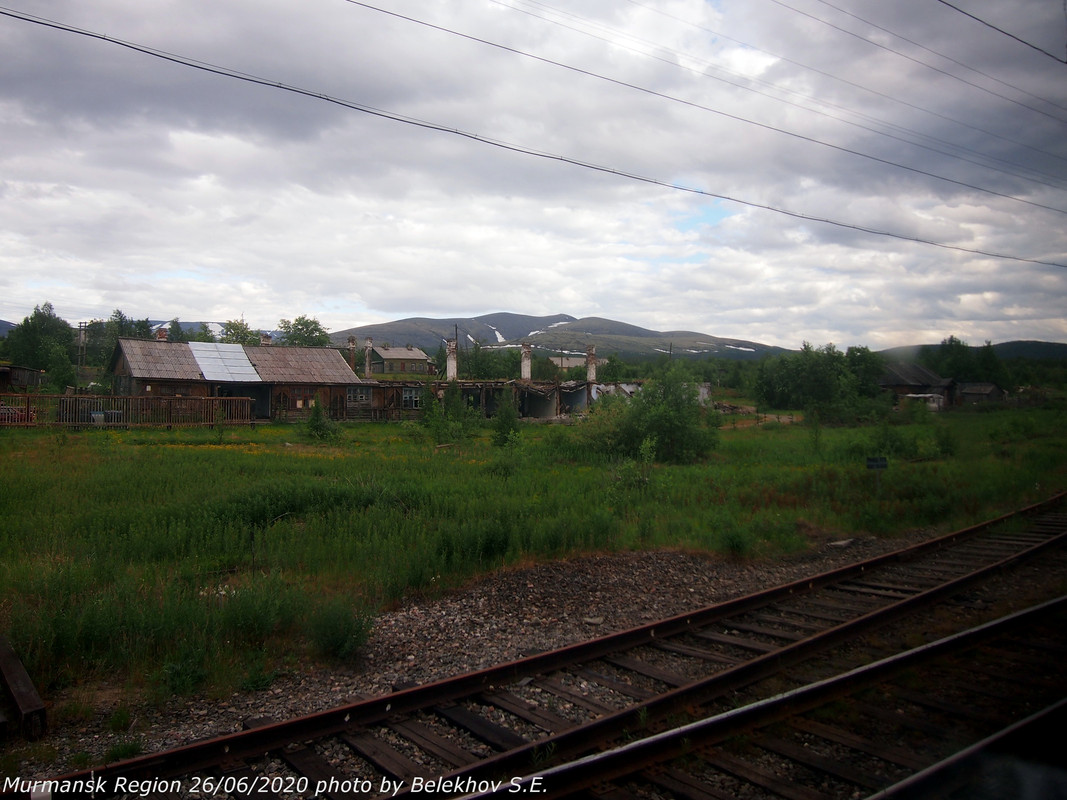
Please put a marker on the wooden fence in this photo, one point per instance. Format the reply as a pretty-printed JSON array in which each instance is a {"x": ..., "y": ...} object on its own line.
[{"x": 25, "y": 410}]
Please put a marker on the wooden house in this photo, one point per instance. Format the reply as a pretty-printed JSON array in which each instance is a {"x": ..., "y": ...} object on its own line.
[
  {"x": 283, "y": 382},
  {"x": 385, "y": 360},
  {"x": 916, "y": 381}
]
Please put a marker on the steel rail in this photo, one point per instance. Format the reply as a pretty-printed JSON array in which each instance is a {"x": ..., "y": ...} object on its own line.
[
  {"x": 236, "y": 747},
  {"x": 578, "y": 741},
  {"x": 628, "y": 759},
  {"x": 953, "y": 776}
]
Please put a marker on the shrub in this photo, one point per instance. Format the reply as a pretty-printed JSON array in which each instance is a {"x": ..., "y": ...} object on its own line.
[
  {"x": 668, "y": 410},
  {"x": 337, "y": 629},
  {"x": 505, "y": 423},
  {"x": 448, "y": 419},
  {"x": 319, "y": 426}
]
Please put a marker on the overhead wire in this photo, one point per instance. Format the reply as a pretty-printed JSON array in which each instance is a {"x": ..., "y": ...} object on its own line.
[
  {"x": 1006, "y": 33},
  {"x": 932, "y": 112},
  {"x": 516, "y": 148},
  {"x": 919, "y": 61},
  {"x": 741, "y": 84},
  {"x": 719, "y": 112}
]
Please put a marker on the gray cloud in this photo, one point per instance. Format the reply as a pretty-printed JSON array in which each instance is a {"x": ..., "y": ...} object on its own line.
[{"x": 135, "y": 183}]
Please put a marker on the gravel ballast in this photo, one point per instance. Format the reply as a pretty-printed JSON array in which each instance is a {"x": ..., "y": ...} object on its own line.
[{"x": 496, "y": 618}]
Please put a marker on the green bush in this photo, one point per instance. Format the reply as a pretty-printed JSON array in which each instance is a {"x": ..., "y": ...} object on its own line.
[
  {"x": 666, "y": 411},
  {"x": 319, "y": 426},
  {"x": 448, "y": 419},
  {"x": 338, "y": 628},
  {"x": 505, "y": 424}
]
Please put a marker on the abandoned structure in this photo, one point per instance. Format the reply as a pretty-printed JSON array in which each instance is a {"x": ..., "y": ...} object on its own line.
[
  {"x": 282, "y": 381},
  {"x": 918, "y": 383},
  {"x": 19, "y": 379}
]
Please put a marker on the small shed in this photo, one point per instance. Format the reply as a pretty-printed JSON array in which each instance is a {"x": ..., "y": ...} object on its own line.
[
  {"x": 973, "y": 393},
  {"x": 19, "y": 379}
]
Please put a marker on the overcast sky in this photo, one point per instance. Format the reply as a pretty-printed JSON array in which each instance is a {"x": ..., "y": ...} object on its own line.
[{"x": 613, "y": 158}]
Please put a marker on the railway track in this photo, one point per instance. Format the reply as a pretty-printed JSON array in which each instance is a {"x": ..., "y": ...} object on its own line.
[
  {"x": 461, "y": 733},
  {"x": 892, "y": 728}
]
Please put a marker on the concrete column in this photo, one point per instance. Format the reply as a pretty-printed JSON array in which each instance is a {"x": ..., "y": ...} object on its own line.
[
  {"x": 366, "y": 357},
  {"x": 526, "y": 362},
  {"x": 451, "y": 365},
  {"x": 590, "y": 363}
]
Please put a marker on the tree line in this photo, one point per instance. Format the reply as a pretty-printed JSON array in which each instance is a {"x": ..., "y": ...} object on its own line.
[
  {"x": 45, "y": 341},
  {"x": 842, "y": 385}
]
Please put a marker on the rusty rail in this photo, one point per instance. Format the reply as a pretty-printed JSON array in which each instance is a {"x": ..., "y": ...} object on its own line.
[
  {"x": 989, "y": 552},
  {"x": 694, "y": 739}
]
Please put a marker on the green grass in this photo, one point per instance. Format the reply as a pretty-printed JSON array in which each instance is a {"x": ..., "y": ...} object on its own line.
[{"x": 207, "y": 563}]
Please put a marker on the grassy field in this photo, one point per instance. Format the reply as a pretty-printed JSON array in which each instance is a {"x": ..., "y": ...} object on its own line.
[{"x": 188, "y": 559}]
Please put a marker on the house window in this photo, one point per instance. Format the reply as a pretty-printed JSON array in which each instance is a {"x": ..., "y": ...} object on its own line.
[
  {"x": 411, "y": 398},
  {"x": 358, "y": 394},
  {"x": 303, "y": 396}
]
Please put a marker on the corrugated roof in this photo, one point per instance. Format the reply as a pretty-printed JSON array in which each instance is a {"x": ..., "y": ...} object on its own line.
[
  {"x": 155, "y": 360},
  {"x": 151, "y": 359},
  {"x": 224, "y": 362},
  {"x": 301, "y": 365}
]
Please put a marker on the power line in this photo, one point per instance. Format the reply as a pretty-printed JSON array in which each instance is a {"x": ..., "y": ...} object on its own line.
[
  {"x": 1035, "y": 175},
  {"x": 866, "y": 88},
  {"x": 891, "y": 98},
  {"x": 1001, "y": 30},
  {"x": 725, "y": 114},
  {"x": 511, "y": 147},
  {"x": 919, "y": 61}
]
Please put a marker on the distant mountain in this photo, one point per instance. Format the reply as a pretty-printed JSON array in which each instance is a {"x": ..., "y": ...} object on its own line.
[
  {"x": 563, "y": 333},
  {"x": 1006, "y": 351},
  {"x": 428, "y": 334},
  {"x": 555, "y": 334}
]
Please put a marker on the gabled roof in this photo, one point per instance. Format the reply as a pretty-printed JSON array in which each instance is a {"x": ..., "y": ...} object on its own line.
[
  {"x": 401, "y": 353},
  {"x": 301, "y": 365},
  {"x": 909, "y": 375},
  {"x": 150, "y": 359}
]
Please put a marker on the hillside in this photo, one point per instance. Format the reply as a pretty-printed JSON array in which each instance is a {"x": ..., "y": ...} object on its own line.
[
  {"x": 562, "y": 333},
  {"x": 1006, "y": 351},
  {"x": 555, "y": 334}
]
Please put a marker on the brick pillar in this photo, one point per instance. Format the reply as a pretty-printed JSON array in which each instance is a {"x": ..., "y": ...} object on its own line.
[
  {"x": 590, "y": 363},
  {"x": 451, "y": 366},
  {"x": 525, "y": 364}
]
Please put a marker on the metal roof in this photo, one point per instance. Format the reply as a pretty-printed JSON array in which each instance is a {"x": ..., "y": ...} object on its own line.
[{"x": 223, "y": 362}]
